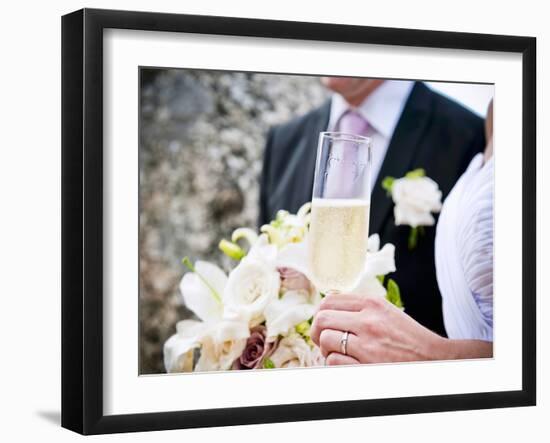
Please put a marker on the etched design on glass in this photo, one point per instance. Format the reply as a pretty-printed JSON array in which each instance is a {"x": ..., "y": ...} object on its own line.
[{"x": 357, "y": 167}]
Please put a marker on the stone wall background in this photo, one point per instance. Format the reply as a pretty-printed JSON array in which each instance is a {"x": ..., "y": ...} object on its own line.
[{"x": 202, "y": 135}]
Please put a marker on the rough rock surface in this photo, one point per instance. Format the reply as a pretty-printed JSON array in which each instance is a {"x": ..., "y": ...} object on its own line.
[{"x": 202, "y": 135}]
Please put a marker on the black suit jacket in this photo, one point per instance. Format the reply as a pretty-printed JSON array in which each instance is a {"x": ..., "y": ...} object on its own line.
[{"x": 433, "y": 133}]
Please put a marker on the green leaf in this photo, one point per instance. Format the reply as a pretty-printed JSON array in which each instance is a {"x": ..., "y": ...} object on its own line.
[
  {"x": 393, "y": 294},
  {"x": 413, "y": 238},
  {"x": 190, "y": 266},
  {"x": 232, "y": 250},
  {"x": 416, "y": 173},
  {"x": 268, "y": 364},
  {"x": 387, "y": 184},
  {"x": 380, "y": 279}
]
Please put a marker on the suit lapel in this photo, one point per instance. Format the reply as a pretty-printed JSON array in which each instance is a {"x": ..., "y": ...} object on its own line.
[{"x": 401, "y": 151}]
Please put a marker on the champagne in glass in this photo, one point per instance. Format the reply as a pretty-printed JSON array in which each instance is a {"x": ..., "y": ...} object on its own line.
[{"x": 340, "y": 211}]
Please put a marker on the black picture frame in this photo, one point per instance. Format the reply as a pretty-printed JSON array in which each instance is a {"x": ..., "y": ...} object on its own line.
[{"x": 82, "y": 220}]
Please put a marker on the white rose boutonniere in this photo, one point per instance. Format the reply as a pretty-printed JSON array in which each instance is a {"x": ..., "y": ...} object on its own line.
[{"x": 416, "y": 198}]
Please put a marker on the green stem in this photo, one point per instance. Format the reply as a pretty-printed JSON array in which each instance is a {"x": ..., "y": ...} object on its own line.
[{"x": 413, "y": 238}]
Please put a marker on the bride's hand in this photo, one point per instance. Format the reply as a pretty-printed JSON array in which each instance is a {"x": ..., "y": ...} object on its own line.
[{"x": 378, "y": 332}]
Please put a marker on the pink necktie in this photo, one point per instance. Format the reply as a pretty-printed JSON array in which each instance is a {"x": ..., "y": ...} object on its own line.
[
  {"x": 338, "y": 183},
  {"x": 352, "y": 122}
]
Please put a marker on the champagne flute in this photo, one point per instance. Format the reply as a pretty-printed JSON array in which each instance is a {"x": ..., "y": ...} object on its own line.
[{"x": 340, "y": 211}]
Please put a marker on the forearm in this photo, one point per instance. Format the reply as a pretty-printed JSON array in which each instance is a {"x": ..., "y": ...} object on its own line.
[{"x": 449, "y": 349}]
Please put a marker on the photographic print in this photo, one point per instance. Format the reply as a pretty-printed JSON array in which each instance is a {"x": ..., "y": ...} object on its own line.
[
  {"x": 291, "y": 221},
  {"x": 250, "y": 204}
]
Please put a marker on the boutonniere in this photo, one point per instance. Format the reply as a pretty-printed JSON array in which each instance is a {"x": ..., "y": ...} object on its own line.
[{"x": 415, "y": 198}]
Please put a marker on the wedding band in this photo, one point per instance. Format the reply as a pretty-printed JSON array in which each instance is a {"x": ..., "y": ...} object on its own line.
[{"x": 344, "y": 343}]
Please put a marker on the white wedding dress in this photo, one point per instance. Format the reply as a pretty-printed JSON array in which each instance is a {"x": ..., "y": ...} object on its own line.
[{"x": 464, "y": 254}]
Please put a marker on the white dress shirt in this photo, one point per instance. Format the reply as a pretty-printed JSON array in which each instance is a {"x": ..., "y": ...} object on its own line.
[{"x": 381, "y": 109}]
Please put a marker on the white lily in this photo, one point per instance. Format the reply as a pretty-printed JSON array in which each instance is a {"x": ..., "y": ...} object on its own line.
[
  {"x": 378, "y": 262},
  {"x": 202, "y": 291},
  {"x": 179, "y": 348},
  {"x": 294, "y": 307},
  {"x": 288, "y": 228}
]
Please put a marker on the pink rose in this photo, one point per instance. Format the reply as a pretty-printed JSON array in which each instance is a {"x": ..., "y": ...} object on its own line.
[
  {"x": 292, "y": 280},
  {"x": 257, "y": 348}
]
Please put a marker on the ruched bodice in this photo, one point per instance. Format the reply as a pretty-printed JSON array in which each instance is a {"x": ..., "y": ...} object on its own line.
[{"x": 464, "y": 254}]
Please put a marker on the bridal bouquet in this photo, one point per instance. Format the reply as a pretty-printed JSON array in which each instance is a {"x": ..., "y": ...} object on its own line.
[{"x": 259, "y": 316}]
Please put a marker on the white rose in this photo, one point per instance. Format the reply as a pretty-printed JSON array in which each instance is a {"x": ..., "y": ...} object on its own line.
[
  {"x": 223, "y": 344},
  {"x": 415, "y": 199},
  {"x": 253, "y": 284},
  {"x": 293, "y": 352},
  {"x": 262, "y": 251},
  {"x": 317, "y": 358}
]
